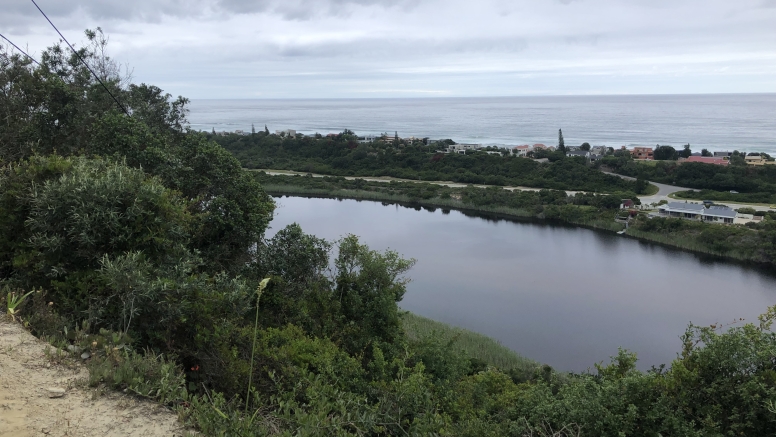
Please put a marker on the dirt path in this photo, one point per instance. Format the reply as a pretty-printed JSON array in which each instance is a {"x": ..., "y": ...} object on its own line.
[{"x": 27, "y": 408}]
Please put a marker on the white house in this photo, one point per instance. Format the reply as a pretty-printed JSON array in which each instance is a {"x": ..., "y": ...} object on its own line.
[
  {"x": 521, "y": 151},
  {"x": 686, "y": 210},
  {"x": 719, "y": 214},
  {"x": 697, "y": 211}
]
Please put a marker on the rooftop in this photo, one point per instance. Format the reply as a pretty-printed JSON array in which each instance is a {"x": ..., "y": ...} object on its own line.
[
  {"x": 720, "y": 211},
  {"x": 696, "y": 208}
]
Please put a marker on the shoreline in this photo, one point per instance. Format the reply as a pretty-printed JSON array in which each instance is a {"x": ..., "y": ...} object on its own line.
[{"x": 665, "y": 240}]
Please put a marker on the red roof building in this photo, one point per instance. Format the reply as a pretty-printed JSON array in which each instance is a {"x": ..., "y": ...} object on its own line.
[
  {"x": 706, "y": 160},
  {"x": 642, "y": 153}
]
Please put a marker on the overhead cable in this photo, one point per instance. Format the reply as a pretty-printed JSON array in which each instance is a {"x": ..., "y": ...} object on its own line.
[
  {"x": 17, "y": 48},
  {"x": 82, "y": 60}
]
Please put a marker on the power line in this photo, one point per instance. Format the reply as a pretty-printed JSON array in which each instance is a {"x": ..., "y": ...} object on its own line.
[
  {"x": 82, "y": 60},
  {"x": 17, "y": 48}
]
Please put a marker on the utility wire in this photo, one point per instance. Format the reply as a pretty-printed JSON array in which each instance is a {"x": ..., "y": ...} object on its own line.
[
  {"x": 82, "y": 60},
  {"x": 17, "y": 48}
]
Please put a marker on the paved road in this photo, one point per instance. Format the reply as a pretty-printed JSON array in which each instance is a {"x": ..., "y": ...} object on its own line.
[
  {"x": 665, "y": 190},
  {"x": 662, "y": 194}
]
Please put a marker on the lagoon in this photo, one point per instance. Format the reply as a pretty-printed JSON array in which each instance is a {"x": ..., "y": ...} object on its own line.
[{"x": 561, "y": 295}]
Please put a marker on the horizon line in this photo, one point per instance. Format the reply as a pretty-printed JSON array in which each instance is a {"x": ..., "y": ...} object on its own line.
[{"x": 489, "y": 96}]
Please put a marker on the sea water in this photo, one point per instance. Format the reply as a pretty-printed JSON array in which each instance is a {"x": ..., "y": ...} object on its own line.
[{"x": 744, "y": 122}]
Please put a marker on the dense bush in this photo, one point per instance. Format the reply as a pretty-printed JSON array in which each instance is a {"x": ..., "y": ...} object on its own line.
[{"x": 342, "y": 155}]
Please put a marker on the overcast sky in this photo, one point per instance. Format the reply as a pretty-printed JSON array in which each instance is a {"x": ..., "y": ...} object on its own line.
[{"x": 413, "y": 48}]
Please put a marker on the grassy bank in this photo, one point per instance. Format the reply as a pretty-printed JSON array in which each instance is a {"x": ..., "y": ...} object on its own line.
[{"x": 472, "y": 344}]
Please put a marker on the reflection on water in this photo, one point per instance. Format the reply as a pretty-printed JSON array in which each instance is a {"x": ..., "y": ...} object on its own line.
[{"x": 559, "y": 294}]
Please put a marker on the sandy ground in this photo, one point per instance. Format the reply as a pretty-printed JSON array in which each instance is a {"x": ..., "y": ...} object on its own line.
[{"x": 26, "y": 408}]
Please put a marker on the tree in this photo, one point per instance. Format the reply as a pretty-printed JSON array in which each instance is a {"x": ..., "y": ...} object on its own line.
[
  {"x": 641, "y": 186},
  {"x": 665, "y": 153},
  {"x": 585, "y": 146},
  {"x": 369, "y": 284},
  {"x": 561, "y": 144},
  {"x": 686, "y": 152},
  {"x": 253, "y": 130},
  {"x": 266, "y": 130},
  {"x": 705, "y": 152}
]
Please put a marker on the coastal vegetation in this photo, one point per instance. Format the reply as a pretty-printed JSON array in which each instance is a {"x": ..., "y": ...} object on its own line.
[
  {"x": 343, "y": 155},
  {"x": 143, "y": 246}
]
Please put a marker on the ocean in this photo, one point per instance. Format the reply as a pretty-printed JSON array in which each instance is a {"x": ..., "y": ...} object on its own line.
[{"x": 744, "y": 122}]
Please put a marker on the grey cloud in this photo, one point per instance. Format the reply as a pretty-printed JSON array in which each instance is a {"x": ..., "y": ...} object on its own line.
[
  {"x": 154, "y": 10},
  {"x": 397, "y": 49},
  {"x": 301, "y": 10},
  {"x": 379, "y": 43}
]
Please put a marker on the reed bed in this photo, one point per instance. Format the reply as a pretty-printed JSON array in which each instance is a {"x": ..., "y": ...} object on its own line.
[{"x": 473, "y": 344}]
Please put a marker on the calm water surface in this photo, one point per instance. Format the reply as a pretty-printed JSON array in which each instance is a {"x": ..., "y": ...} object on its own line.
[{"x": 564, "y": 296}]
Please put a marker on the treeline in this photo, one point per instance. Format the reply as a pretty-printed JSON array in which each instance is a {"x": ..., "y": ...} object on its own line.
[
  {"x": 143, "y": 244},
  {"x": 727, "y": 196},
  {"x": 758, "y": 182},
  {"x": 343, "y": 155}
]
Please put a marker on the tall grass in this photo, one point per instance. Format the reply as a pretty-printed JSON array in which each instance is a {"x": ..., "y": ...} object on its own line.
[
  {"x": 684, "y": 242},
  {"x": 473, "y": 344}
]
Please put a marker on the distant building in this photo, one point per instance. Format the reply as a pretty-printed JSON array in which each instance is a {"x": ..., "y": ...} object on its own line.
[
  {"x": 287, "y": 132},
  {"x": 705, "y": 160},
  {"x": 758, "y": 160},
  {"x": 685, "y": 210},
  {"x": 719, "y": 214},
  {"x": 642, "y": 153},
  {"x": 521, "y": 150},
  {"x": 462, "y": 148},
  {"x": 583, "y": 153},
  {"x": 723, "y": 154},
  {"x": 697, "y": 211}
]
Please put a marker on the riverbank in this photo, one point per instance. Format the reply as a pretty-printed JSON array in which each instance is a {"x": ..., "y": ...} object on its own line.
[
  {"x": 729, "y": 242},
  {"x": 452, "y": 204}
]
